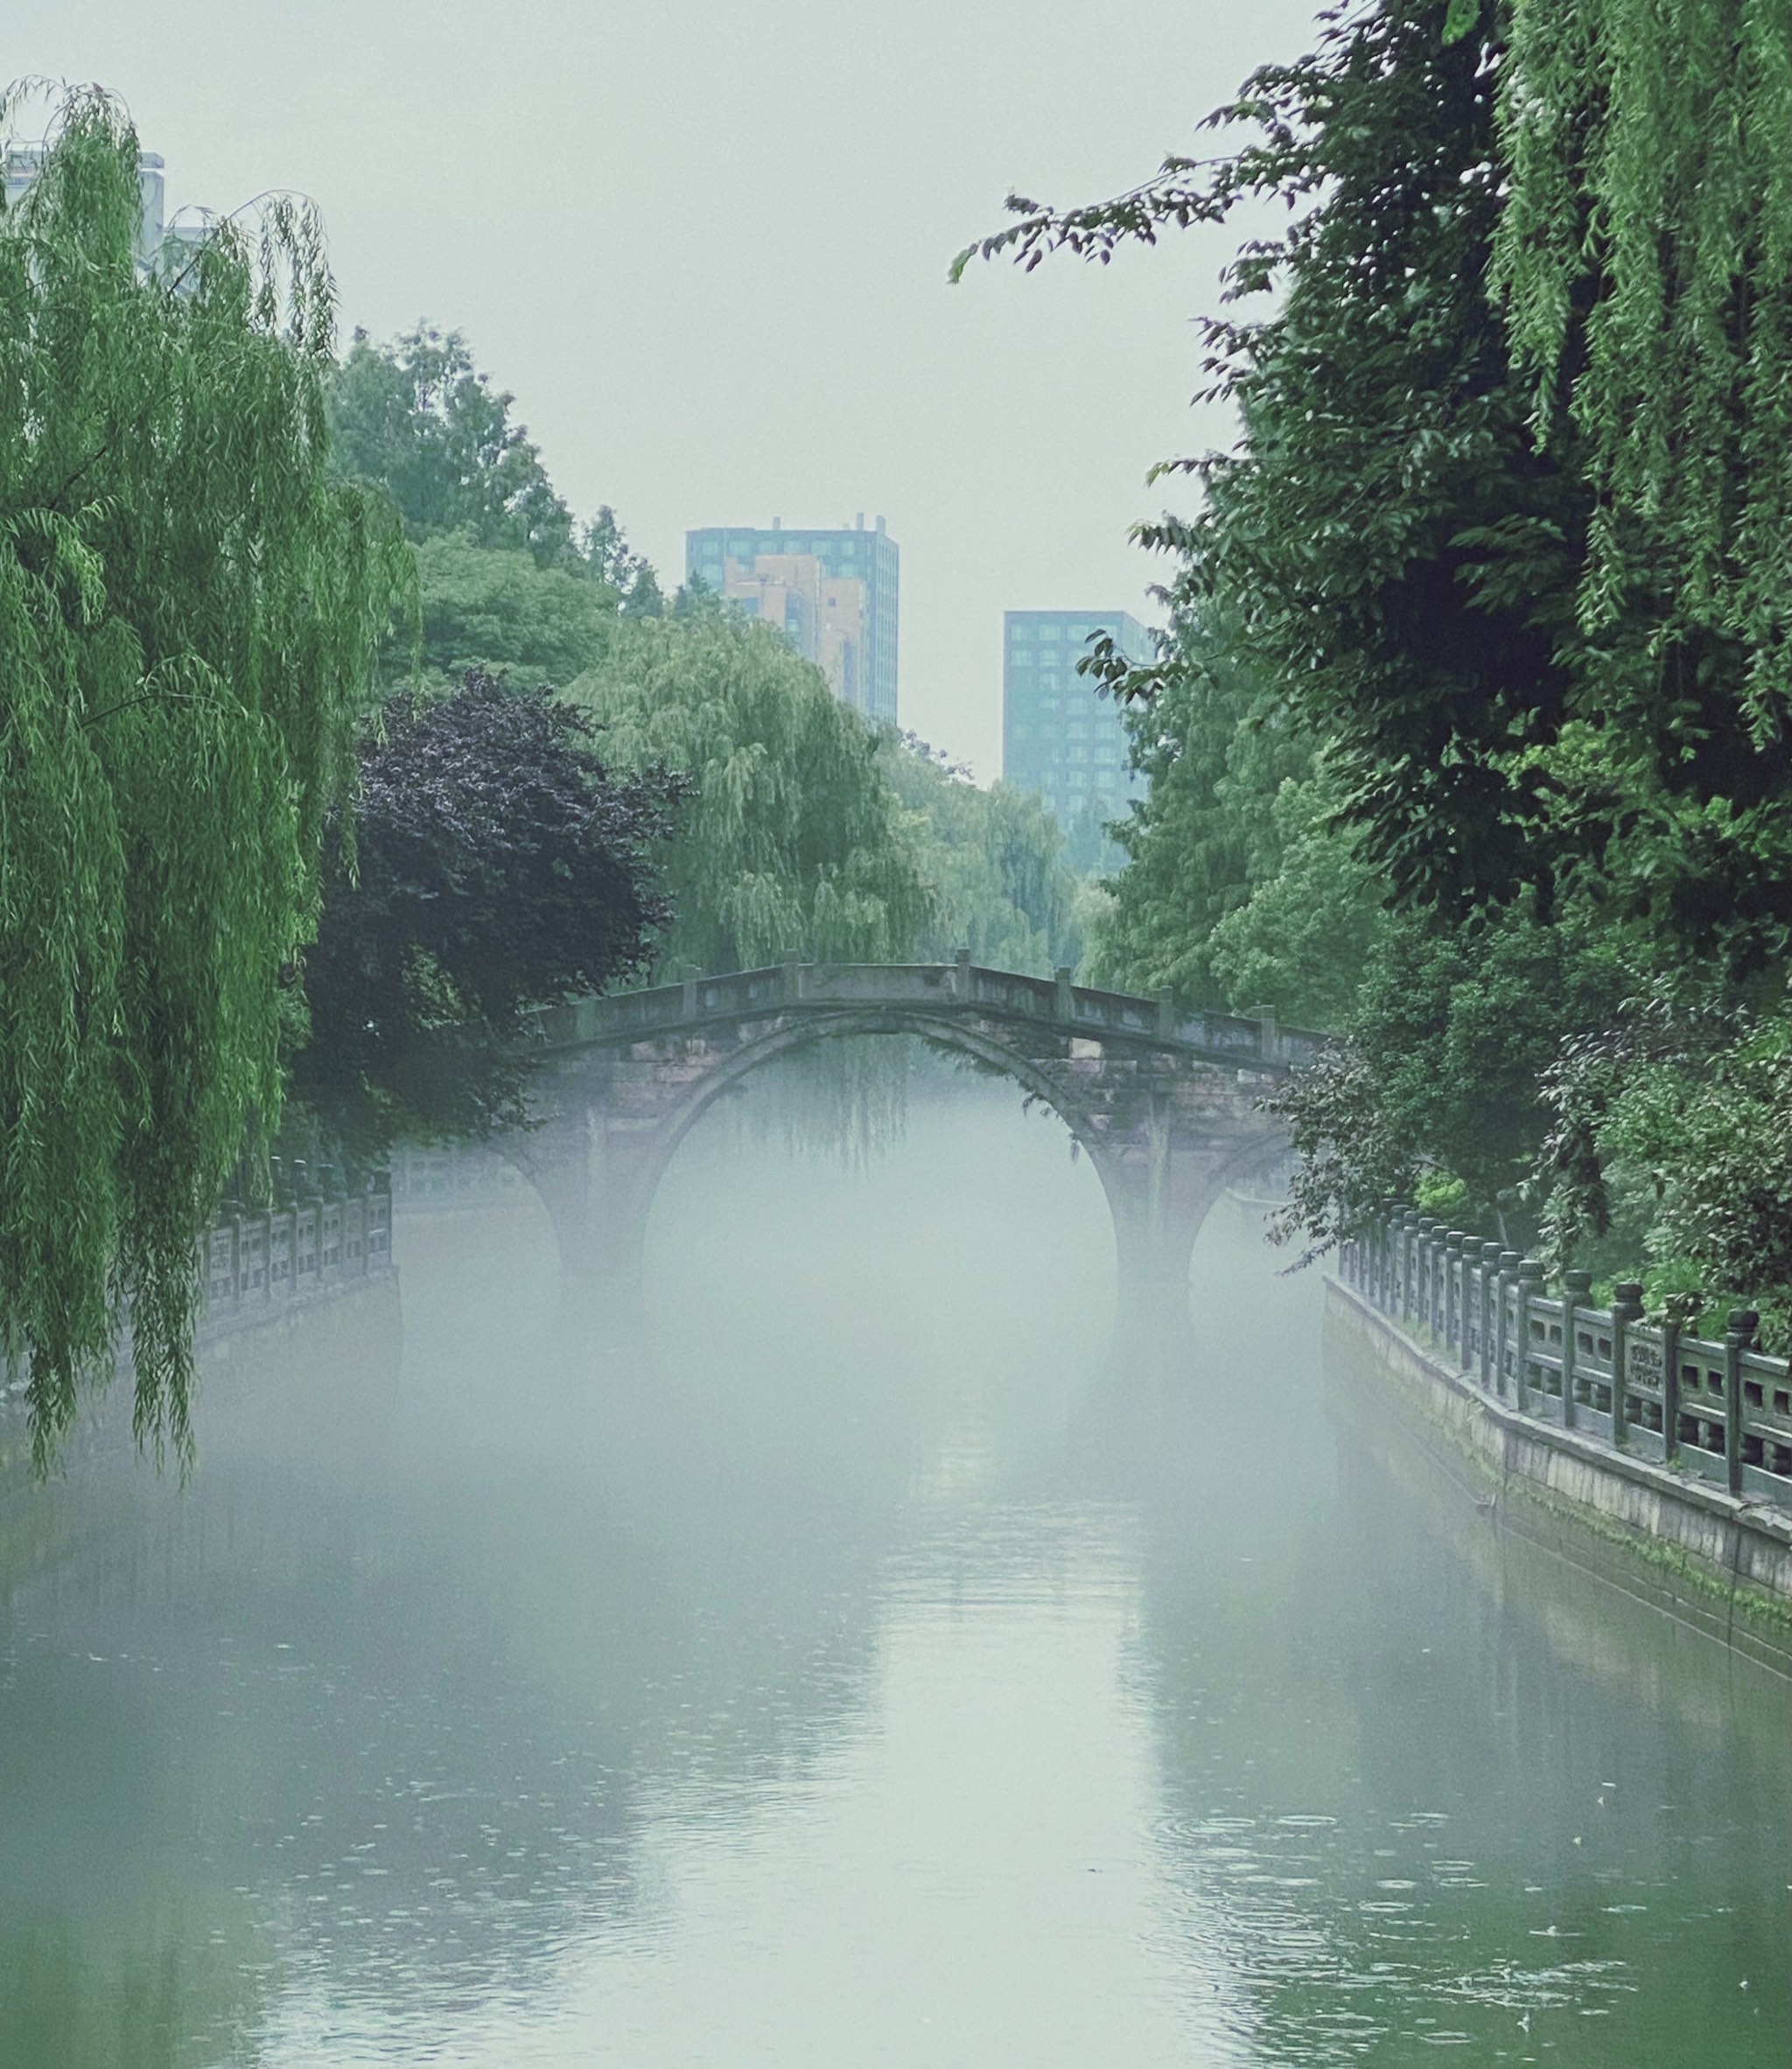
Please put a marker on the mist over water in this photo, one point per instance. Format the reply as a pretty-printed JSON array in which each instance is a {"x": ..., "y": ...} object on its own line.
[{"x": 846, "y": 1655}]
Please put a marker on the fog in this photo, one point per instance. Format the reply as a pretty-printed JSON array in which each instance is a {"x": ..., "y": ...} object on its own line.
[{"x": 851, "y": 1649}]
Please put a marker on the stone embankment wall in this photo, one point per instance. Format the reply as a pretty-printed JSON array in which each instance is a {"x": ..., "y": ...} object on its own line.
[{"x": 1663, "y": 1532}]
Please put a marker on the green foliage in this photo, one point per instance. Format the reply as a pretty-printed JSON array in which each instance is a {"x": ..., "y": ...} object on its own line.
[
  {"x": 1238, "y": 890},
  {"x": 1193, "y": 841},
  {"x": 1351, "y": 1157},
  {"x": 991, "y": 859},
  {"x": 1301, "y": 940},
  {"x": 1644, "y": 259},
  {"x": 1410, "y": 534},
  {"x": 1438, "y": 1079},
  {"x": 189, "y": 610},
  {"x": 507, "y": 583},
  {"x": 1506, "y": 542},
  {"x": 500, "y": 609},
  {"x": 792, "y": 840},
  {"x": 419, "y": 419},
  {"x": 1439, "y": 1192},
  {"x": 1459, "y": 1026},
  {"x": 1672, "y": 1140}
]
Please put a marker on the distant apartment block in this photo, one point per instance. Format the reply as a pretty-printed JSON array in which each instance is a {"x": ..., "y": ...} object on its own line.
[
  {"x": 832, "y": 594},
  {"x": 1059, "y": 737}
]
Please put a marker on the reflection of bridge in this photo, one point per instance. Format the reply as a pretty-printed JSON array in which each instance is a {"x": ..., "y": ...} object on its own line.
[{"x": 1166, "y": 1107}]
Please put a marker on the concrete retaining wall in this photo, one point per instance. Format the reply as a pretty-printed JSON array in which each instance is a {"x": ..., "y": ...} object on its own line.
[{"x": 1710, "y": 1559}]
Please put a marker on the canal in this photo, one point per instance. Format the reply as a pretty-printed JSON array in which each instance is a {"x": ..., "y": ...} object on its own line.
[{"x": 846, "y": 1659}]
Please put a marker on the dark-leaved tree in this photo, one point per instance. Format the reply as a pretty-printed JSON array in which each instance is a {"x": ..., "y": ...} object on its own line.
[{"x": 497, "y": 864}]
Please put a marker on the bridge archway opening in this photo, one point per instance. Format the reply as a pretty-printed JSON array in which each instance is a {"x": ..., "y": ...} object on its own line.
[
  {"x": 944, "y": 1037},
  {"x": 974, "y": 1225}
]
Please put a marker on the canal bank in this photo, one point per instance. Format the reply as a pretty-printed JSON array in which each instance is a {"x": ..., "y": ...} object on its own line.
[
  {"x": 293, "y": 1295},
  {"x": 1717, "y": 1563}
]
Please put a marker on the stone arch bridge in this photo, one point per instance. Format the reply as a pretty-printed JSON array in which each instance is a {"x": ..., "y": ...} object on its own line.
[{"x": 1167, "y": 1109}]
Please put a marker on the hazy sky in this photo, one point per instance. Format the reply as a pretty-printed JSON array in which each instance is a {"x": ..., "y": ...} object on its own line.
[{"x": 706, "y": 247}]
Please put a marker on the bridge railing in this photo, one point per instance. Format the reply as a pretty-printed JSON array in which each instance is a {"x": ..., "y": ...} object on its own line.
[
  {"x": 1721, "y": 1410},
  {"x": 256, "y": 1261},
  {"x": 961, "y": 985}
]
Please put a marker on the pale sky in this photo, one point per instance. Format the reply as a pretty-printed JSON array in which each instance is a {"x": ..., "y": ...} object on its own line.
[{"x": 706, "y": 245}]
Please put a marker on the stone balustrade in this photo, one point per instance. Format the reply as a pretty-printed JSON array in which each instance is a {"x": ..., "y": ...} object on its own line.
[
  {"x": 255, "y": 1261},
  {"x": 1722, "y": 1410},
  {"x": 1081, "y": 1009}
]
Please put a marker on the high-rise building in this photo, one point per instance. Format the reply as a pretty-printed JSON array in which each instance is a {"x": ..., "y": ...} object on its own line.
[
  {"x": 1060, "y": 737},
  {"x": 831, "y": 593}
]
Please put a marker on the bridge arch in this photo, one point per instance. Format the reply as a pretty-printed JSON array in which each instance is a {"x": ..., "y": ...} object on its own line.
[
  {"x": 785, "y": 1040},
  {"x": 1168, "y": 1115}
]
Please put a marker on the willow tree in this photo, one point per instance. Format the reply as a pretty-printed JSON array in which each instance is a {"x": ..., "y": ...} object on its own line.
[
  {"x": 1644, "y": 261},
  {"x": 790, "y": 838},
  {"x": 189, "y": 607},
  {"x": 993, "y": 859}
]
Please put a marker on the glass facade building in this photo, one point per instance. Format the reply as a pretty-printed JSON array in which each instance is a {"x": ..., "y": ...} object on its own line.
[
  {"x": 1059, "y": 737},
  {"x": 833, "y": 593}
]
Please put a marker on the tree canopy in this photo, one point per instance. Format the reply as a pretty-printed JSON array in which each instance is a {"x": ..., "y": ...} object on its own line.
[
  {"x": 992, "y": 861},
  {"x": 792, "y": 840},
  {"x": 190, "y": 605},
  {"x": 420, "y": 419},
  {"x": 1420, "y": 535},
  {"x": 498, "y": 864},
  {"x": 498, "y": 608},
  {"x": 507, "y": 581}
]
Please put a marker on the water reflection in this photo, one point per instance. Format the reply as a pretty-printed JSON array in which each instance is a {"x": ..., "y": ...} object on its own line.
[{"x": 850, "y": 1661}]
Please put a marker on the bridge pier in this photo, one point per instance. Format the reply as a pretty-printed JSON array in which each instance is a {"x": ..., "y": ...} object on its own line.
[{"x": 596, "y": 1177}]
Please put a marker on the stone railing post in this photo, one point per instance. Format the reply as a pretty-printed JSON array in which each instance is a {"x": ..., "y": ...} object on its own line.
[
  {"x": 1507, "y": 1279},
  {"x": 1627, "y": 1309},
  {"x": 1265, "y": 1019},
  {"x": 1166, "y": 1012},
  {"x": 961, "y": 976},
  {"x": 1490, "y": 1276},
  {"x": 1454, "y": 1334},
  {"x": 1738, "y": 1337},
  {"x": 1064, "y": 1003},
  {"x": 1408, "y": 1266},
  {"x": 1671, "y": 1387},
  {"x": 1433, "y": 1274},
  {"x": 1422, "y": 1275},
  {"x": 1530, "y": 1277},
  {"x": 1576, "y": 1285},
  {"x": 687, "y": 1001},
  {"x": 1448, "y": 1251},
  {"x": 792, "y": 979}
]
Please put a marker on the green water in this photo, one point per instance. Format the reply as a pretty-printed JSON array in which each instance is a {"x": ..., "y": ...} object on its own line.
[{"x": 847, "y": 1661}]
